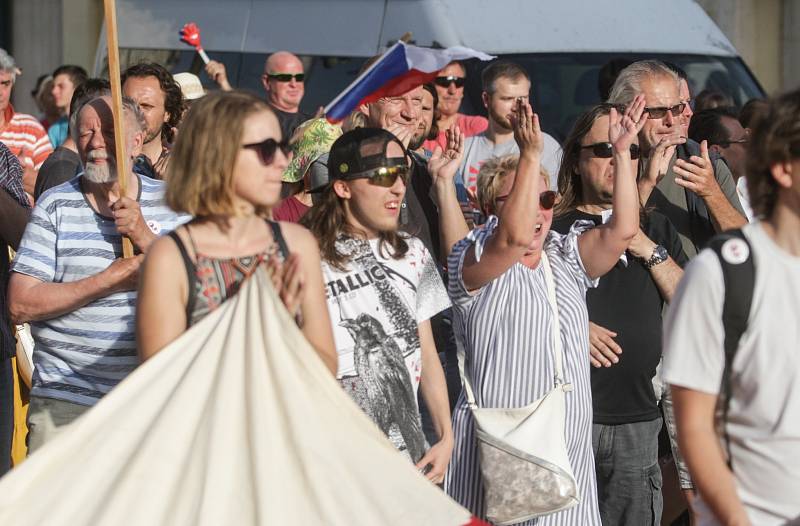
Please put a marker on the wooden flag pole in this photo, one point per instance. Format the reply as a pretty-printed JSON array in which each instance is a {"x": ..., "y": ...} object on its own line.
[{"x": 116, "y": 103}]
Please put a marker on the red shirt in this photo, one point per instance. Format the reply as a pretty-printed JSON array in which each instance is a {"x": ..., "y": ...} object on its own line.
[
  {"x": 26, "y": 138},
  {"x": 290, "y": 209},
  {"x": 470, "y": 125}
]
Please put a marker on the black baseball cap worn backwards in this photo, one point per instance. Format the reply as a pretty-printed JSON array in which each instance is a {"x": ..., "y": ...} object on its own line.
[{"x": 361, "y": 151}]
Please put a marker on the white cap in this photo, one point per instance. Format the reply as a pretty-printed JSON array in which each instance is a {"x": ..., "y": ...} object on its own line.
[{"x": 190, "y": 85}]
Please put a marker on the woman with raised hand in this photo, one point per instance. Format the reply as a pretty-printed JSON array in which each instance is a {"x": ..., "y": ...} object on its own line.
[
  {"x": 502, "y": 315},
  {"x": 225, "y": 171}
]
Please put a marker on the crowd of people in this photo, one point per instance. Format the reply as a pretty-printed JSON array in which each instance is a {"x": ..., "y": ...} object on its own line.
[{"x": 439, "y": 264}]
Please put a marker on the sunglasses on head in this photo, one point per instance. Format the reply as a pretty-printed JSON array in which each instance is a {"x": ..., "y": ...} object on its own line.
[
  {"x": 446, "y": 81},
  {"x": 547, "y": 199},
  {"x": 605, "y": 150},
  {"x": 385, "y": 176},
  {"x": 659, "y": 112},
  {"x": 266, "y": 149},
  {"x": 287, "y": 77}
]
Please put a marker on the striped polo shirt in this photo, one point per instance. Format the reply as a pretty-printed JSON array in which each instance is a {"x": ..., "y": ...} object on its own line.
[
  {"x": 26, "y": 138},
  {"x": 82, "y": 355}
]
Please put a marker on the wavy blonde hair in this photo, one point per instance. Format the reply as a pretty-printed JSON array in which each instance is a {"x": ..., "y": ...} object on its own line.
[
  {"x": 200, "y": 173},
  {"x": 493, "y": 174}
]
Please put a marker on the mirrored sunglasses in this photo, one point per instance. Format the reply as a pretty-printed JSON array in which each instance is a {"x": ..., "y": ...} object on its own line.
[
  {"x": 605, "y": 150},
  {"x": 446, "y": 81},
  {"x": 385, "y": 176}
]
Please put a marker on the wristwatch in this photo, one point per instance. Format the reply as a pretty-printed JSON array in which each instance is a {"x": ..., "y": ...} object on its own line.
[{"x": 660, "y": 255}]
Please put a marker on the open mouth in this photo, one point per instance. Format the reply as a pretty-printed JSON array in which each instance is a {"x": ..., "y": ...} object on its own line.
[
  {"x": 392, "y": 205},
  {"x": 538, "y": 228}
]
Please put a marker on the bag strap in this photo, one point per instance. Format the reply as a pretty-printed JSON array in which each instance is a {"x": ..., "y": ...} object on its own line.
[
  {"x": 277, "y": 236},
  {"x": 558, "y": 349},
  {"x": 191, "y": 275},
  {"x": 555, "y": 332},
  {"x": 739, "y": 276}
]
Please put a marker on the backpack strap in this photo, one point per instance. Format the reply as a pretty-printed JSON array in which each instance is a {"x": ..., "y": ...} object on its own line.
[
  {"x": 735, "y": 255},
  {"x": 277, "y": 236},
  {"x": 191, "y": 275}
]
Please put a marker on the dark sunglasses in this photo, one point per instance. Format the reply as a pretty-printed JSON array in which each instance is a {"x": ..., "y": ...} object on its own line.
[
  {"x": 547, "y": 199},
  {"x": 605, "y": 150},
  {"x": 660, "y": 112},
  {"x": 266, "y": 149},
  {"x": 446, "y": 81},
  {"x": 385, "y": 176},
  {"x": 287, "y": 77}
]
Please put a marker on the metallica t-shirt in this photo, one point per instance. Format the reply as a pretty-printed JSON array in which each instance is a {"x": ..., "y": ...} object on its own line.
[{"x": 375, "y": 308}]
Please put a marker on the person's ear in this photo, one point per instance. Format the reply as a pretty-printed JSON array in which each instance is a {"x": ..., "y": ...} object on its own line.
[
  {"x": 265, "y": 82},
  {"x": 485, "y": 99},
  {"x": 715, "y": 148},
  {"x": 364, "y": 108},
  {"x": 341, "y": 189},
  {"x": 782, "y": 173}
]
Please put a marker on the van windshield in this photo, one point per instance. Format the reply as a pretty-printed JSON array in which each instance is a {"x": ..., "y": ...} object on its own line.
[{"x": 564, "y": 84}]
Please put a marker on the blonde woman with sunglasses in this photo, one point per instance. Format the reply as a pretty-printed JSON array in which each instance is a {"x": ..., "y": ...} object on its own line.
[
  {"x": 383, "y": 288},
  {"x": 225, "y": 171},
  {"x": 503, "y": 318}
]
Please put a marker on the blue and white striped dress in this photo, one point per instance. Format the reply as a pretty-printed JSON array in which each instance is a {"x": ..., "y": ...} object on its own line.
[{"x": 505, "y": 329}]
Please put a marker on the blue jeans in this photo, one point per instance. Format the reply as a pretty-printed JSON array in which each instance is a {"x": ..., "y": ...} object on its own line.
[{"x": 628, "y": 473}]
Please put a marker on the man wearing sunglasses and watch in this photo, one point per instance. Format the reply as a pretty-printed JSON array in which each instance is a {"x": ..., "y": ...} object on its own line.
[{"x": 693, "y": 188}]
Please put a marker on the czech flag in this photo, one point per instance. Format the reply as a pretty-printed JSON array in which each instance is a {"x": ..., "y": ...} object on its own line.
[{"x": 402, "y": 68}]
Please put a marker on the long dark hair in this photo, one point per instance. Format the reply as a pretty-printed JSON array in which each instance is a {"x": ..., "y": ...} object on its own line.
[
  {"x": 570, "y": 185},
  {"x": 327, "y": 220}
]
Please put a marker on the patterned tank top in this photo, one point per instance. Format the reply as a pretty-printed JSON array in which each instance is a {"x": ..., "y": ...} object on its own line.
[{"x": 214, "y": 280}]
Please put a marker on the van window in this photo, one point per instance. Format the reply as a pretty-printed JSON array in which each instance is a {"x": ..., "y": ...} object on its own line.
[{"x": 564, "y": 84}]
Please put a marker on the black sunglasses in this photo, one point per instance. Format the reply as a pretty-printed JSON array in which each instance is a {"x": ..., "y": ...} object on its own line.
[
  {"x": 385, "y": 176},
  {"x": 659, "y": 112},
  {"x": 605, "y": 150},
  {"x": 287, "y": 77},
  {"x": 547, "y": 199},
  {"x": 266, "y": 149},
  {"x": 446, "y": 81}
]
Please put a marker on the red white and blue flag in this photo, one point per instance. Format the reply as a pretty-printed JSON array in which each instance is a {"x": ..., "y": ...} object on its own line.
[{"x": 402, "y": 68}]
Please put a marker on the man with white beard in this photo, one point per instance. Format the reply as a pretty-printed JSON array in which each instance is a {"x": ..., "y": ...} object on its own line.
[{"x": 69, "y": 280}]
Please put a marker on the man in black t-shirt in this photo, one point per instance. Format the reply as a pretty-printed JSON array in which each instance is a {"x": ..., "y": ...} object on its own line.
[{"x": 625, "y": 335}]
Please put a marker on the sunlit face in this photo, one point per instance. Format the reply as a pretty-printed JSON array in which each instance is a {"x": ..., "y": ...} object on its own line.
[
  {"x": 6, "y": 83},
  {"x": 450, "y": 97},
  {"x": 686, "y": 98},
  {"x": 285, "y": 96},
  {"x": 426, "y": 117},
  {"x": 502, "y": 104},
  {"x": 597, "y": 173},
  {"x": 659, "y": 92},
  {"x": 256, "y": 184},
  {"x": 734, "y": 152},
  {"x": 96, "y": 144},
  {"x": 391, "y": 112},
  {"x": 544, "y": 218},
  {"x": 147, "y": 93},
  {"x": 62, "y": 91},
  {"x": 373, "y": 208}
]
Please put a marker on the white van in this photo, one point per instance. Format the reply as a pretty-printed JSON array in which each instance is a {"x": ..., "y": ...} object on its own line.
[{"x": 563, "y": 43}]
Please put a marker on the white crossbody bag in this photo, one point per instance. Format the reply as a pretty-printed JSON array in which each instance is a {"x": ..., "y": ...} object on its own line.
[{"x": 522, "y": 451}]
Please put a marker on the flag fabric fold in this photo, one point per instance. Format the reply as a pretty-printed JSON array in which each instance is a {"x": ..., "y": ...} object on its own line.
[
  {"x": 401, "y": 68},
  {"x": 236, "y": 422}
]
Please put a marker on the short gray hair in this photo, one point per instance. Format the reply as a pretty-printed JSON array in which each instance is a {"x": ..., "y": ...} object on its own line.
[
  {"x": 629, "y": 81},
  {"x": 129, "y": 107},
  {"x": 8, "y": 64}
]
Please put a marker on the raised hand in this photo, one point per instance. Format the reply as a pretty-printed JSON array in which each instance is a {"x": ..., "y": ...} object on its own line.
[
  {"x": 443, "y": 165},
  {"x": 130, "y": 223},
  {"x": 697, "y": 174},
  {"x": 216, "y": 72},
  {"x": 623, "y": 130},
  {"x": 660, "y": 156},
  {"x": 527, "y": 132}
]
